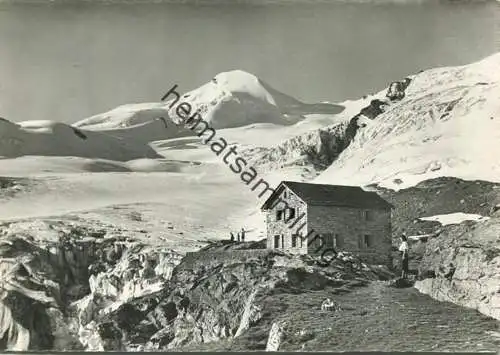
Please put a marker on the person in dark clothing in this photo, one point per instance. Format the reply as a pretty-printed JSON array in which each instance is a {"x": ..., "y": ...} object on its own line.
[
  {"x": 232, "y": 236},
  {"x": 451, "y": 271},
  {"x": 242, "y": 235},
  {"x": 403, "y": 248},
  {"x": 239, "y": 237}
]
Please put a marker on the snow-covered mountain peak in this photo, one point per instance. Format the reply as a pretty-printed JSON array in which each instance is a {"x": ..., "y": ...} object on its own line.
[
  {"x": 231, "y": 99},
  {"x": 241, "y": 82}
]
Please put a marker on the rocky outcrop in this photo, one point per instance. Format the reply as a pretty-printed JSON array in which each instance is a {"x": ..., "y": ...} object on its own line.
[
  {"x": 464, "y": 265},
  {"x": 317, "y": 148},
  {"x": 457, "y": 263},
  {"x": 76, "y": 288},
  {"x": 36, "y": 284},
  {"x": 14, "y": 335},
  {"x": 53, "y": 288},
  {"x": 139, "y": 272},
  {"x": 137, "y": 297},
  {"x": 376, "y": 107},
  {"x": 431, "y": 197},
  {"x": 204, "y": 302},
  {"x": 370, "y": 112},
  {"x": 396, "y": 90}
]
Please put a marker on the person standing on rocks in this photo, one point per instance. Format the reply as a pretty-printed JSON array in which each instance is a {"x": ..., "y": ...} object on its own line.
[
  {"x": 231, "y": 236},
  {"x": 239, "y": 236},
  {"x": 242, "y": 234},
  {"x": 403, "y": 248}
]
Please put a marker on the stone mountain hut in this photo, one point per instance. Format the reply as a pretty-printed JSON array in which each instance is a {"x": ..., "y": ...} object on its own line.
[{"x": 306, "y": 218}]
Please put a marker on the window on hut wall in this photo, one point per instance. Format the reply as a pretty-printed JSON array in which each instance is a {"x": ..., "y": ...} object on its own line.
[
  {"x": 282, "y": 241},
  {"x": 289, "y": 214},
  {"x": 338, "y": 241},
  {"x": 279, "y": 215},
  {"x": 367, "y": 241},
  {"x": 328, "y": 238},
  {"x": 276, "y": 241},
  {"x": 367, "y": 215},
  {"x": 316, "y": 242},
  {"x": 294, "y": 241}
]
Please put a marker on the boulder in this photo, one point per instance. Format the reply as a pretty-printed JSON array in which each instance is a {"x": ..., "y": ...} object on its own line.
[
  {"x": 329, "y": 305},
  {"x": 396, "y": 90}
]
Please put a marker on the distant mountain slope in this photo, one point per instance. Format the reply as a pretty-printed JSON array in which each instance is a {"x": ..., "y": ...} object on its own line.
[{"x": 58, "y": 139}]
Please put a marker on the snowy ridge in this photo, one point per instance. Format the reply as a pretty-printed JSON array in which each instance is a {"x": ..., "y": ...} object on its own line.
[
  {"x": 58, "y": 139},
  {"x": 125, "y": 116},
  {"x": 447, "y": 125}
]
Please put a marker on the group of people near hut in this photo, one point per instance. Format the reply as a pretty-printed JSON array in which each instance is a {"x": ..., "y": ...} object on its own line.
[{"x": 240, "y": 236}]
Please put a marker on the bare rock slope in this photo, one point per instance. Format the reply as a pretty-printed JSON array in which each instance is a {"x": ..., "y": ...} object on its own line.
[
  {"x": 464, "y": 263},
  {"x": 457, "y": 262}
]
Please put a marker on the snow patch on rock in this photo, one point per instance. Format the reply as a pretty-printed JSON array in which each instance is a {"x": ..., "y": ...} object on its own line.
[{"x": 455, "y": 218}]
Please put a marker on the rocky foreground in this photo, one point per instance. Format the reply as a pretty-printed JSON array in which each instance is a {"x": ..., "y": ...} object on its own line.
[
  {"x": 58, "y": 277},
  {"x": 459, "y": 263},
  {"x": 76, "y": 288}
]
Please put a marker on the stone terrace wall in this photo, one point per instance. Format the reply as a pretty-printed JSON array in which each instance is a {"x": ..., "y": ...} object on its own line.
[{"x": 211, "y": 258}]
